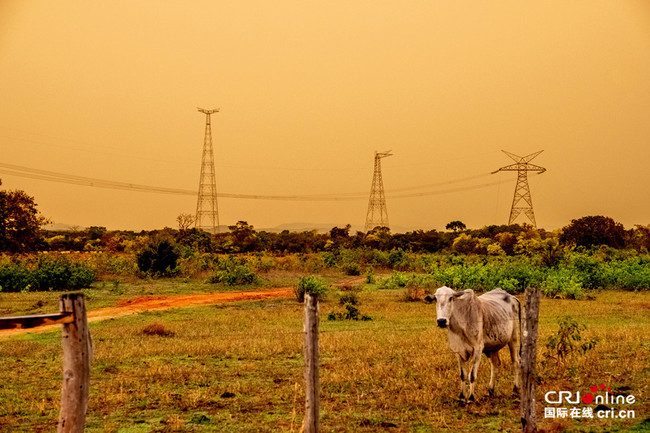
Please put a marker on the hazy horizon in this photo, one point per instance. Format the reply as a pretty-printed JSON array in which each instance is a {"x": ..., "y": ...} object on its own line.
[{"x": 308, "y": 92}]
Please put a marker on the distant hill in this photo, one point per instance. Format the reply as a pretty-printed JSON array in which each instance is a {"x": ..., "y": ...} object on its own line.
[
  {"x": 306, "y": 227},
  {"x": 323, "y": 228},
  {"x": 60, "y": 227}
]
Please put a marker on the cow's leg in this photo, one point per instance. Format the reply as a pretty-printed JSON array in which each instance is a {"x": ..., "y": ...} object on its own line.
[
  {"x": 475, "y": 361},
  {"x": 516, "y": 363},
  {"x": 494, "y": 366},
  {"x": 463, "y": 378}
]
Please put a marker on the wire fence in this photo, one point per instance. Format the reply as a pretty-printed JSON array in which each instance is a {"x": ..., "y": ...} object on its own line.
[{"x": 191, "y": 371}]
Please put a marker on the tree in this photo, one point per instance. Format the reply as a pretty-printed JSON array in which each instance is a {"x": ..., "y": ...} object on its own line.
[
  {"x": 456, "y": 226},
  {"x": 640, "y": 237},
  {"x": 337, "y": 232},
  {"x": 96, "y": 232},
  {"x": 159, "y": 258},
  {"x": 594, "y": 231},
  {"x": 20, "y": 222},
  {"x": 464, "y": 244},
  {"x": 379, "y": 238},
  {"x": 185, "y": 221},
  {"x": 243, "y": 236}
]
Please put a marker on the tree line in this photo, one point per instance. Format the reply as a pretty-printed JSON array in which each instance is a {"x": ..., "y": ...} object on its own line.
[{"x": 21, "y": 231}]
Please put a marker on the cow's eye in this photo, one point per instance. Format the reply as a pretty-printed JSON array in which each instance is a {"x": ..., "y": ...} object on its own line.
[{"x": 451, "y": 298}]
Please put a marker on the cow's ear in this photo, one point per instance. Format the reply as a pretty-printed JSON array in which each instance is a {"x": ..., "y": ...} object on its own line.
[
  {"x": 459, "y": 294},
  {"x": 429, "y": 299}
]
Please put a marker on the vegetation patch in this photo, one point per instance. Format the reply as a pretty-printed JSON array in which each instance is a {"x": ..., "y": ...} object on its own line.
[
  {"x": 350, "y": 312},
  {"x": 350, "y": 302},
  {"x": 157, "y": 329},
  {"x": 233, "y": 271},
  {"x": 47, "y": 273},
  {"x": 158, "y": 259},
  {"x": 567, "y": 344},
  {"x": 309, "y": 284}
]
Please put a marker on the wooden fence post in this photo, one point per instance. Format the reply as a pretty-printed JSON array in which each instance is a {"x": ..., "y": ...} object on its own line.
[
  {"x": 529, "y": 361},
  {"x": 77, "y": 353},
  {"x": 312, "y": 401}
]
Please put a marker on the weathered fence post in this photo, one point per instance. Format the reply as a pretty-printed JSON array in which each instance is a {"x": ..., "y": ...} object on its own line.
[
  {"x": 312, "y": 401},
  {"x": 529, "y": 361},
  {"x": 77, "y": 353}
]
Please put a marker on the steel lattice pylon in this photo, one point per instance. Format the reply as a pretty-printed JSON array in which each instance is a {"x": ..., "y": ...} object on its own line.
[
  {"x": 522, "y": 201},
  {"x": 377, "y": 215},
  {"x": 207, "y": 214}
]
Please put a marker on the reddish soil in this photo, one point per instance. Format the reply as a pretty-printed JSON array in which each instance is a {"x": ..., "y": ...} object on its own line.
[{"x": 154, "y": 303}]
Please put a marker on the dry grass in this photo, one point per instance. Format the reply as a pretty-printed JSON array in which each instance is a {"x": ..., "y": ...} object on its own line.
[
  {"x": 157, "y": 329},
  {"x": 238, "y": 368}
]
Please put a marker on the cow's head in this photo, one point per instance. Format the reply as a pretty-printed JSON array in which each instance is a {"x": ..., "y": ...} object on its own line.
[{"x": 444, "y": 298}]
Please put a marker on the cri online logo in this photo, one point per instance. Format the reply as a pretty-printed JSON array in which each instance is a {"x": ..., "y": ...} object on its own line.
[{"x": 556, "y": 397}]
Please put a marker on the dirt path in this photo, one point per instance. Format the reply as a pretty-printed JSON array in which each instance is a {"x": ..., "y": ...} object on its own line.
[{"x": 155, "y": 303}]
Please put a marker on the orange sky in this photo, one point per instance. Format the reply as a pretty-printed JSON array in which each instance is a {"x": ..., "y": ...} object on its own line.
[{"x": 309, "y": 90}]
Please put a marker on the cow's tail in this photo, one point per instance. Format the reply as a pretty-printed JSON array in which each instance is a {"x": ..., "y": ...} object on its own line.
[{"x": 521, "y": 334}]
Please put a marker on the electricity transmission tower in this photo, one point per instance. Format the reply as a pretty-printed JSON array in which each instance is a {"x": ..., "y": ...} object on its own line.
[
  {"x": 522, "y": 202},
  {"x": 377, "y": 215},
  {"x": 207, "y": 215}
]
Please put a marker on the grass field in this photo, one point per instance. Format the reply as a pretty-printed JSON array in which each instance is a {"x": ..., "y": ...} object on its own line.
[{"x": 238, "y": 367}]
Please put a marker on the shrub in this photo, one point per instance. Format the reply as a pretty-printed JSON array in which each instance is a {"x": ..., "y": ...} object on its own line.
[
  {"x": 351, "y": 313},
  {"x": 563, "y": 284},
  {"x": 157, "y": 329},
  {"x": 632, "y": 274},
  {"x": 398, "y": 259},
  {"x": 464, "y": 243},
  {"x": 14, "y": 277},
  {"x": 512, "y": 276},
  {"x": 329, "y": 259},
  {"x": 567, "y": 342},
  {"x": 397, "y": 280},
  {"x": 112, "y": 263},
  {"x": 349, "y": 298},
  {"x": 351, "y": 269},
  {"x": 233, "y": 272},
  {"x": 61, "y": 274},
  {"x": 310, "y": 284},
  {"x": 49, "y": 274},
  {"x": 158, "y": 259},
  {"x": 414, "y": 293},
  {"x": 370, "y": 275}
]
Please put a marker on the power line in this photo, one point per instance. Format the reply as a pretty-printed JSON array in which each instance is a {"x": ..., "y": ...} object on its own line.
[{"x": 51, "y": 176}]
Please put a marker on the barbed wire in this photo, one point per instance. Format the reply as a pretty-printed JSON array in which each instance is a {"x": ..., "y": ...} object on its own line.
[{"x": 355, "y": 326}]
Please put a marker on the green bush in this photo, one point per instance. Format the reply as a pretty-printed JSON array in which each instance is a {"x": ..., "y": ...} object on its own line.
[
  {"x": 632, "y": 274},
  {"x": 61, "y": 274},
  {"x": 310, "y": 284},
  {"x": 398, "y": 259},
  {"x": 511, "y": 275},
  {"x": 395, "y": 281},
  {"x": 351, "y": 269},
  {"x": 14, "y": 277},
  {"x": 233, "y": 272},
  {"x": 370, "y": 275},
  {"x": 562, "y": 283},
  {"x": 351, "y": 313},
  {"x": 49, "y": 273}
]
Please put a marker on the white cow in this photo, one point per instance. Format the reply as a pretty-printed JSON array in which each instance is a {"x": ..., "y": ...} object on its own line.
[{"x": 476, "y": 325}]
